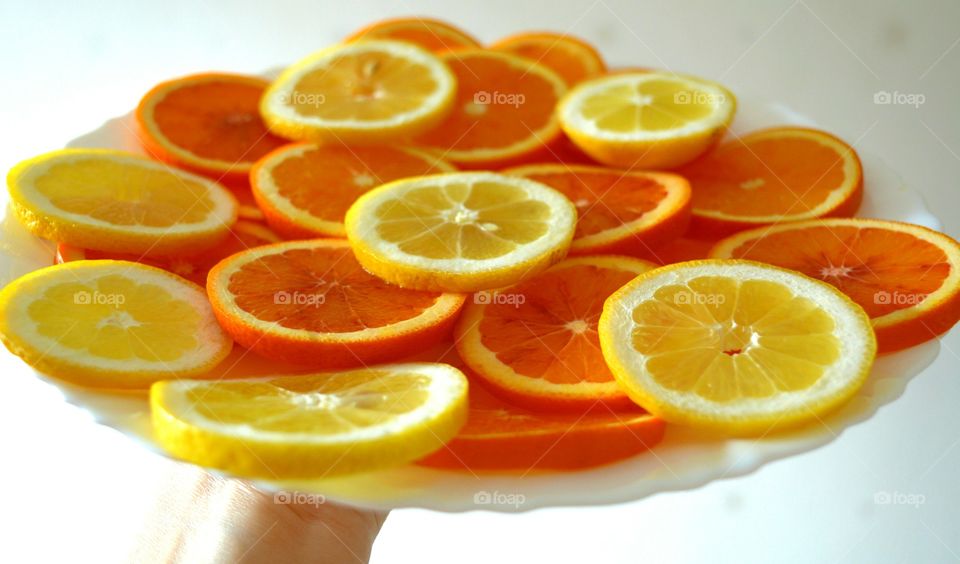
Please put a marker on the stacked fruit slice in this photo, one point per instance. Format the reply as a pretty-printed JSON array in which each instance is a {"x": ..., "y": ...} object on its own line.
[{"x": 425, "y": 313}]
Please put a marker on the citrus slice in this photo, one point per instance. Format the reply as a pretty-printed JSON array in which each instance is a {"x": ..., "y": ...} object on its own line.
[
  {"x": 573, "y": 59},
  {"x": 770, "y": 176},
  {"x": 310, "y": 303},
  {"x": 433, "y": 35},
  {"x": 536, "y": 343},
  {"x": 460, "y": 232},
  {"x": 646, "y": 119},
  {"x": 502, "y": 437},
  {"x": 243, "y": 235},
  {"x": 306, "y": 189},
  {"x": 311, "y": 425},
  {"x": 906, "y": 277},
  {"x": 115, "y": 201},
  {"x": 503, "y": 113},
  {"x": 110, "y": 324},
  {"x": 364, "y": 92},
  {"x": 619, "y": 212},
  {"x": 209, "y": 123},
  {"x": 735, "y": 346}
]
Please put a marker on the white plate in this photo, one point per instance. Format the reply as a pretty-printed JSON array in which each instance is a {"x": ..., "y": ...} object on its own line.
[{"x": 683, "y": 460}]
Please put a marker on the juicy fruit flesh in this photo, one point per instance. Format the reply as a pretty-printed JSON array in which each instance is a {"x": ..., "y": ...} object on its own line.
[
  {"x": 604, "y": 201},
  {"x": 363, "y": 86},
  {"x": 479, "y": 220},
  {"x": 117, "y": 318},
  {"x": 881, "y": 270},
  {"x": 216, "y": 120},
  {"x": 316, "y": 404},
  {"x": 326, "y": 181},
  {"x": 725, "y": 339},
  {"x": 552, "y": 334},
  {"x": 769, "y": 176},
  {"x": 124, "y": 194},
  {"x": 653, "y": 105},
  {"x": 497, "y": 105},
  {"x": 323, "y": 290}
]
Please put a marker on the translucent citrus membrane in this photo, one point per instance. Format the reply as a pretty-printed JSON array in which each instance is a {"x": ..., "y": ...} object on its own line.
[
  {"x": 653, "y": 105},
  {"x": 216, "y": 119},
  {"x": 117, "y": 318},
  {"x": 726, "y": 340},
  {"x": 363, "y": 86},
  {"x": 124, "y": 194},
  {"x": 481, "y": 220},
  {"x": 324, "y": 290},
  {"x": 316, "y": 404}
]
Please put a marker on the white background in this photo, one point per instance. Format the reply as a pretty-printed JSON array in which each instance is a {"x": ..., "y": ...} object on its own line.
[{"x": 76, "y": 492}]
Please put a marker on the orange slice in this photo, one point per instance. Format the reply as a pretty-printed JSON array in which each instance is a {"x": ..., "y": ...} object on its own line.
[
  {"x": 503, "y": 112},
  {"x": 573, "y": 59},
  {"x": 310, "y": 302},
  {"x": 306, "y": 189},
  {"x": 906, "y": 277},
  {"x": 773, "y": 175},
  {"x": 243, "y": 235},
  {"x": 503, "y": 437},
  {"x": 618, "y": 212},
  {"x": 365, "y": 92},
  {"x": 433, "y": 35},
  {"x": 536, "y": 342},
  {"x": 209, "y": 123}
]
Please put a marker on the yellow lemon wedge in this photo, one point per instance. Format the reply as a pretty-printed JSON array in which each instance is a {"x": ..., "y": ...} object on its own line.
[
  {"x": 460, "y": 232},
  {"x": 361, "y": 92},
  {"x": 646, "y": 119},
  {"x": 111, "y": 324},
  {"x": 735, "y": 346},
  {"x": 114, "y": 201},
  {"x": 311, "y": 425}
]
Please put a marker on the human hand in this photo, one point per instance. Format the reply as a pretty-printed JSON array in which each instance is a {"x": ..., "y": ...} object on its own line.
[{"x": 200, "y": 517}]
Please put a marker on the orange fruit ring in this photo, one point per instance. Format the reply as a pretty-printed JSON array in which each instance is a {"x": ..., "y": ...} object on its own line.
[{"x": 311, "y": 303}]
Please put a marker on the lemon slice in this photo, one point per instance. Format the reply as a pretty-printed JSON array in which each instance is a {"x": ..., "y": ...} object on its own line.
[
  {"x": 110, "y": 323},
  {"x": 363, "y": 92},
  {"x": 460, "y": 232},
  {"x": 735, "y": 346},
  {"x": 646, "y": 119},
  {"x": 115, "y": 201},
  {"x": 313, "y": 424}
]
